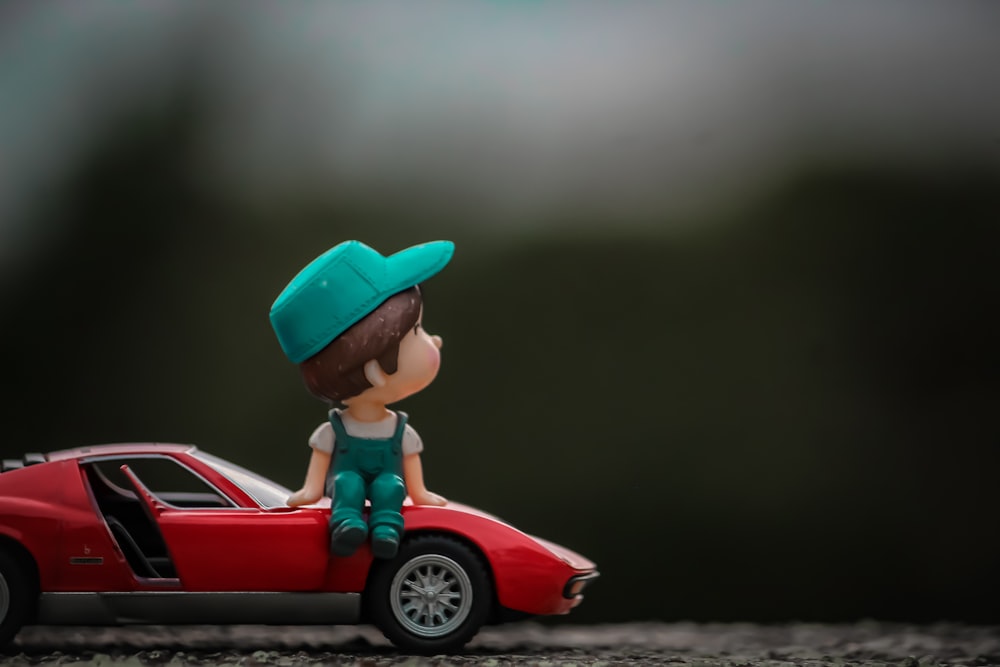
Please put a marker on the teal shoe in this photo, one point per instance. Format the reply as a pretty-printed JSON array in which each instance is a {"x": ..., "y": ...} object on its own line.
[
  {"x": 348, "y": 536},
  {"x": 385, "y": 541}
]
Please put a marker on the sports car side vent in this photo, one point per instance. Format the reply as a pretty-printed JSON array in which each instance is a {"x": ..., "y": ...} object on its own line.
[{"x": 26, "y": 460}]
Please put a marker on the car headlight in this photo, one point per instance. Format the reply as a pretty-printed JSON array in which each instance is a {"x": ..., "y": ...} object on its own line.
[{"x": 577, "y": 583}]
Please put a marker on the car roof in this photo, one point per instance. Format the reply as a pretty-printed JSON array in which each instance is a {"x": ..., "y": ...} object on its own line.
[{"x": 119, "y": 448}]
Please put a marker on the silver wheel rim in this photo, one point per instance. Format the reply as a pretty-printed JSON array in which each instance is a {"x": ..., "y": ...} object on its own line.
[
  {"x": 431, "y": 595},
  {"x": 4, "y": 598}
]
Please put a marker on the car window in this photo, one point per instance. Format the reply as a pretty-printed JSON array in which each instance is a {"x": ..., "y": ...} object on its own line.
[
  {"x": 168, "y": 480},
  {"x": 268, "y": 494}
]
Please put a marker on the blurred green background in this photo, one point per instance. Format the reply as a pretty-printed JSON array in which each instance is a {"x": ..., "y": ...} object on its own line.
[{"x": 723, "y": 313}]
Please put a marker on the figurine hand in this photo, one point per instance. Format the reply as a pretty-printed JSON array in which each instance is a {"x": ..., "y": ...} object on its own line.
[
  {"x": 428, "y": 498},
  {"x": 298, "y": 498}
]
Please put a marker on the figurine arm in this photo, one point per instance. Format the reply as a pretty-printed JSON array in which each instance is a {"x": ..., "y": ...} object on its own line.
[
  {"x": 312, "y": 488},
  {"x": 413, "y": 476}
]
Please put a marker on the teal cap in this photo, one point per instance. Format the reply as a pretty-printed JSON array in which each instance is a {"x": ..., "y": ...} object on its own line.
[{"x": 342, "y": 286}]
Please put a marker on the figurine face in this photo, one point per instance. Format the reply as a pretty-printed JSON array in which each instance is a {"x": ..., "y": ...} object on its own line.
[
  {"x": 418, "y": 363},
  {"x": 419, "y": 360}
]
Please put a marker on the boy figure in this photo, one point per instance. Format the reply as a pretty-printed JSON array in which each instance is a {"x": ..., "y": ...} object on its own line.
[{"x": 351, "y": 319}]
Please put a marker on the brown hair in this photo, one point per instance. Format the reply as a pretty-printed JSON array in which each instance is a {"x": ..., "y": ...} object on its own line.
[{"x": 337, "y": 371}]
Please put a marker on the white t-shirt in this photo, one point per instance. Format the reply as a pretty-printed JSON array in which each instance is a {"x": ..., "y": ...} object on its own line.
[{"x": 323, "y": 437}]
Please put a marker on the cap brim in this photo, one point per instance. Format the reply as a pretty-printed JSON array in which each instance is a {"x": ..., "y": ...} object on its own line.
[{"x": 414, "y": 265}]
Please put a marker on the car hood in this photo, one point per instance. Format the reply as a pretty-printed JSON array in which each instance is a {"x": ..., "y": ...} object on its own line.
[{"x": 568, "y": 556}]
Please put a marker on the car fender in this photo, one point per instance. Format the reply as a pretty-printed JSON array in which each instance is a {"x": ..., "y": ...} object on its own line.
[
  {"x": 529, "y": 574},
  {"x": 31, "y": 513}
]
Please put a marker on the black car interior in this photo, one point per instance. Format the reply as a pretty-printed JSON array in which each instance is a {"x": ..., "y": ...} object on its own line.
[{"x": 127, "y": 516}]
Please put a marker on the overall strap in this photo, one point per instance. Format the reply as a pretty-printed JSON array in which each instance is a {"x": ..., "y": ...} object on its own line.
[
  {"x": 338, "y": 427},
  {"x": 401, "y": 418}
]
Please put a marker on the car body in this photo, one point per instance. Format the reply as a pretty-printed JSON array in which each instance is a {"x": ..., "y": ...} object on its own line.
[{"x": 162, "y": 533}]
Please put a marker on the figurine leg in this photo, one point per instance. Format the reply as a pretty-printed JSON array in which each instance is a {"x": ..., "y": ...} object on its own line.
[
  {"x": 388, "y": 491},
  {"x": 348, "y": 529}
]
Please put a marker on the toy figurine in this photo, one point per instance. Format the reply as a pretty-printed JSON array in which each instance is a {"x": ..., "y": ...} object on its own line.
[{"x": 351, "y": 319}]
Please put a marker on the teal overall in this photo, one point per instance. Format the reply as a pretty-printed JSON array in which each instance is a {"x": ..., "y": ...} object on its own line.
[{"x": 363, "y": 468}]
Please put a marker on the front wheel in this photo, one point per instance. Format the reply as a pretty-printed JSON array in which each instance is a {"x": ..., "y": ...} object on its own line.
[{"x": 432, "y": 597}]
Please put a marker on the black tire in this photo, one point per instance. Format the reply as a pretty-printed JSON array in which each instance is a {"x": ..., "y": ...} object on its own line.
[
  {"x": 16, "y": 596},
  {"x": 432, "y": 597}
]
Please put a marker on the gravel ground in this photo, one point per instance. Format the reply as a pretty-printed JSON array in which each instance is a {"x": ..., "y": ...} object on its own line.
[{"x": 728, "y": 645}]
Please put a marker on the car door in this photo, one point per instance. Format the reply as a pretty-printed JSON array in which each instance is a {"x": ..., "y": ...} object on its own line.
[{"x": 218, "y": 544}]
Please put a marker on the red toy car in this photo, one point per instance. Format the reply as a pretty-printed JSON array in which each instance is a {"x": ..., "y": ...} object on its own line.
[{"x": 155, "y": 533}]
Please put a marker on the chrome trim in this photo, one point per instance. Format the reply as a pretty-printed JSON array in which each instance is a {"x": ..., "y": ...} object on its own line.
[
  {"x": 180, "y": 608},
  {"x": 86, "y": 560},
  {"x": 585, "y": 578}
]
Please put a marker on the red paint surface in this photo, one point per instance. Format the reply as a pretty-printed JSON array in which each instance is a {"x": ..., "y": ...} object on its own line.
[{"x": 49, "y": 510}]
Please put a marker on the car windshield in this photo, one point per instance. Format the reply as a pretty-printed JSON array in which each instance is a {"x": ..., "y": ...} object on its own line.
[{"x": 264, "y": 491}]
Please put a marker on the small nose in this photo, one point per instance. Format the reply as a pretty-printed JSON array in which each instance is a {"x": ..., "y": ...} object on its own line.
[{"x": 438, "y": 341}]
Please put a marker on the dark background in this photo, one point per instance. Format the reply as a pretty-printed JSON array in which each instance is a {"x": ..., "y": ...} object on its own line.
[{"x": 723, "y": 312}]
